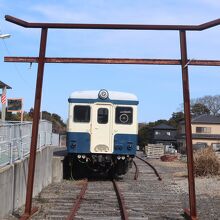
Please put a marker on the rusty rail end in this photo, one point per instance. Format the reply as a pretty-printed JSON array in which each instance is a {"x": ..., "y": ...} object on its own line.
[{"x": 136, "y": 171}]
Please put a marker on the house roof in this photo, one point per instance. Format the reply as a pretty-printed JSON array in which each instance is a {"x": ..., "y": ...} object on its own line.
[
  {"x": 206, "y": 119},
  {"x": 164, "y": 127},
  {"x": 2, "y": 85}
]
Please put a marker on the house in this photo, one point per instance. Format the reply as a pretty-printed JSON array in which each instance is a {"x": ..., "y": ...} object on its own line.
[
  {"x": 205, "y": 132},
  {"x": 164, "y": 134}
]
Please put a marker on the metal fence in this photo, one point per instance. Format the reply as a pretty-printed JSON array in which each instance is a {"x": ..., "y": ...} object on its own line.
[{"x": 15, "y": 140}]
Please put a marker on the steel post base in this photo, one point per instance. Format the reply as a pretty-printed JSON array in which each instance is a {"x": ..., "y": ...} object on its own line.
[
  {"x": 188, "y": 215},
  {"x": 26, "y": 216}
]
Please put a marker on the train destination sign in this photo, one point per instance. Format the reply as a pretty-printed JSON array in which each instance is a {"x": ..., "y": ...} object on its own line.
[{"x": 14, "y": 105}]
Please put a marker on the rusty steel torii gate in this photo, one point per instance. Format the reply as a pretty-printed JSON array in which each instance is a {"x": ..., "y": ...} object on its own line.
[{"x": 184, "y": 62}]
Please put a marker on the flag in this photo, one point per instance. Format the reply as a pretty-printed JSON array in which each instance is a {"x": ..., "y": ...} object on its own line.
[{"x": 3, "y": 99}]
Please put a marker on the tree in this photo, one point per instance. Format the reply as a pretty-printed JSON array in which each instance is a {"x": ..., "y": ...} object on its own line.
[
  {"x": 31, "y": 113},
  {"x": 176, "y": 118},
  {"x": 199, "y": 109},
  {"x": 27, "y": 116},
  {"x": 10, "y": 116},
  {"x": 46, "y": 116},
  {"x": 211, "y": 102},
  {"x": 143, "y": 136},
  {"x": 158, "y": 122}
]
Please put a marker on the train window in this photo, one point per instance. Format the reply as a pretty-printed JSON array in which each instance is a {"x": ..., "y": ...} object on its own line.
[
  {"x": 124, "y": 115},
  {"x": 102, "y": 116},
  {"x": 81, "y": 113}
]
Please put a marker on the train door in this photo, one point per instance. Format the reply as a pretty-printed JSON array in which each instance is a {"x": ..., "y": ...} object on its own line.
[{"x": 101, "y": 130}]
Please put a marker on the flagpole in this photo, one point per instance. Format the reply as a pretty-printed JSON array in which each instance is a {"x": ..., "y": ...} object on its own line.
[{"x": 3, "y": 100}]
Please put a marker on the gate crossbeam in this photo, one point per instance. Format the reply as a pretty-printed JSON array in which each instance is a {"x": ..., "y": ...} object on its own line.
[
  {"x": 113, "y": 26},
  {"x": 191, "y": 62}
]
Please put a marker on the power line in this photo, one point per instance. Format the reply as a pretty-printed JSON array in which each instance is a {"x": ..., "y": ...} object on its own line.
[{"x": 15, "y": 66}]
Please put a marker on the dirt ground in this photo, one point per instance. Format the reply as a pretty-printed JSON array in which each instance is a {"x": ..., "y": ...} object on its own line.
[{"x": 207, "y": 188}]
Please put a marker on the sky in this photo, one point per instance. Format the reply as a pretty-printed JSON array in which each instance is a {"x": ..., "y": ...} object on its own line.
[{"x": 158, "y": 88}]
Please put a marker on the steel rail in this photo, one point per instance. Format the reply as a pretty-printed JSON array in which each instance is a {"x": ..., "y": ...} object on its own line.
[
  {"x": 150, "y": 165},
  {"x": 124, "y": 214},
  {"x": 191, "y": 62},
  {"x": 26, "y": 24},
  {"x": 78, "y": 201},
  {"x": 136, "y": 171}
]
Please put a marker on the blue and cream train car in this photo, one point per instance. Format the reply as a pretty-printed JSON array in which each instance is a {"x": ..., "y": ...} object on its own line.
[{"x": 102, "y": 130}]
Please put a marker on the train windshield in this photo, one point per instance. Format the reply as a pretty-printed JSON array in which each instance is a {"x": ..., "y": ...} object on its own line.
[
  {"x": 81, "y": 113},
  {"x": 102, "y": 116},
  {"x": 124, "y": 115}
]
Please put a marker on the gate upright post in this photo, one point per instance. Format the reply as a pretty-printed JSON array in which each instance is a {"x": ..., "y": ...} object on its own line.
[
  {"x": 37, "y": 103},
  {"x": 186, "y": 96}
]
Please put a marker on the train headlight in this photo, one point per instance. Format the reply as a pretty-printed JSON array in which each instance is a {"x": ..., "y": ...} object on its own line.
[
  {"x": 124, "y": 118},
  {"x": 103, "y": 94},
  {"x": 123, "y": 157},
  {"x": 79, "y": 156}
]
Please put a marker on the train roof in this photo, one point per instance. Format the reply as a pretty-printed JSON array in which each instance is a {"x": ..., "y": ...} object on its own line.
[{"x": 113, "y": 96}]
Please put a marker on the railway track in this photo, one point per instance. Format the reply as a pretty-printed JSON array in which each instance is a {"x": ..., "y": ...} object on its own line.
[
  {"x": 143, "y": 198},
  {"x": 121, "y": 202},
  {"x": 78, "y": 201},
  {"x": 149, "y": 198},
  {"x": 150, "y": 165},
  {"x": 73, "y": 214},
  {"x": 95, "y": 200}
]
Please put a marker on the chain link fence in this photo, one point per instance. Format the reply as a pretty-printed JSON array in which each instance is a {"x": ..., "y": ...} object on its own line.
[{"x": 15, "y": 140}]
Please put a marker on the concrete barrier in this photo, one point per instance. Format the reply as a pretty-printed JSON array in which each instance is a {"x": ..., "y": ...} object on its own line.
[
  {"x": 13, "y": 179},
  {"x": 57, "y": 174},
  {"x": 6, "y": 190},
  {"x": 20, "y": 183}
]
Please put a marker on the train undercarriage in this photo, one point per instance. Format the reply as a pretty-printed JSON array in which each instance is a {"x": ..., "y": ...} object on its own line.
[{"x": 99, "y": 164}]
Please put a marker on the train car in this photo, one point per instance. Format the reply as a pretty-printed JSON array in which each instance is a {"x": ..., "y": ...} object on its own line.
[{"x": 102, "y": 130}]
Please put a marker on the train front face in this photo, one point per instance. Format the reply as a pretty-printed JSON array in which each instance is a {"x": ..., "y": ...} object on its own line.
[{"x": 102, "y": 130}]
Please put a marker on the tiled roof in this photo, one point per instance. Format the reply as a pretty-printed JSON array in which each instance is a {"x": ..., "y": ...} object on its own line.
[
  {"x": 206, "y": 119},
  {"x": 163, "y": 127}
]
